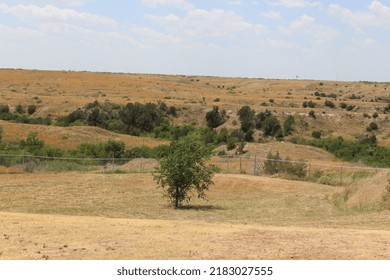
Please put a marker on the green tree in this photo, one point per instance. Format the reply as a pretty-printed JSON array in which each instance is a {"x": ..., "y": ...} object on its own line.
[
  {"x": 288, "y": 125},
  {"x": 114, "y": 149},
  {"x": 214, "y": 118},
  {"x": 247, "y": 118},
  {"x": 184, "y": 169},
  {"x": 32, "y": 143},
  {"x": 19, "y": 109}
]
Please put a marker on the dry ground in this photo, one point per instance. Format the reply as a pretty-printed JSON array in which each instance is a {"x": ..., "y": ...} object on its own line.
[{"x": 123, "y": 216}]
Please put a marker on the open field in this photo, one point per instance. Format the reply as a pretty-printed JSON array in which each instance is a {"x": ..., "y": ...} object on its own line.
[
  {"x": 96, "y": 215},
  {"x": 123, "y": 216}
]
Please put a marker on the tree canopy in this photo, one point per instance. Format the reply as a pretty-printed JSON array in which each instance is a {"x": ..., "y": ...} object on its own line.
[{"x": 184, "y": 170}]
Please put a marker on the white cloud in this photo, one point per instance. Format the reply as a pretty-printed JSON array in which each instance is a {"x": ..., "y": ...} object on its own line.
[
  {"x": 53, "y": 13},
  {"x": 277, "y": 43},
  {"x": 19, "y": 33},
  {"x": 272, "y": 15},
  {"x": 376, "y": 15},
  {"x": 207, "y": 23},
  {"x": 302, "y": 23},
  {"x": 182, "y": 4},
  {"x": 297, "y": 3},
  {"x": 308, "y": 26}
]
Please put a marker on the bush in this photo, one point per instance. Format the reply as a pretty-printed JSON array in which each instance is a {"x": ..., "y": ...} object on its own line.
[
  {"x": 288, "y": 125},
  {"x": 372, "y": 126},
  {"x": 329, "y": 104},
  {"x": 214, "y": 118},
  {"x": 19, "y": 109},
  {"x": 343, "y": 105},
  {"x": 4, "y": 108},
  {"x": 316, "y": 134},
  {"x": 271, "y": 126},
  {"x": 275, "y": 164},
  {"x": 247, "y": 118},
  {"x": 31, "y": 109},
  {"x": 312, "y": 114},
  {"x": 311, "y": 104}
]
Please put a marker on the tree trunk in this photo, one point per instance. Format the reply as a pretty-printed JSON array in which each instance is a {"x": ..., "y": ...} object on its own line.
[{"x": 177, "y": 197}]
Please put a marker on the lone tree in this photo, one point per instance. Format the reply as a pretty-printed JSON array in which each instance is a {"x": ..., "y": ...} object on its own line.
[{"x": 184, "y": 170}]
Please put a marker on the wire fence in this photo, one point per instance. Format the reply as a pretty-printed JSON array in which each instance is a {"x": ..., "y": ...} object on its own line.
[{"x": 230, "y": 164}]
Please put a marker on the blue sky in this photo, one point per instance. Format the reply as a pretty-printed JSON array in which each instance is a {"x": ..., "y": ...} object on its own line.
[{"x": 309, "y": 39}]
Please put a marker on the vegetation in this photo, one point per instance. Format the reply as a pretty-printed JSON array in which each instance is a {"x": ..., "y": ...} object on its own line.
[
  {"x": 247, "y": 118},
  {"x": 184, "y": 169},
  {"x": 353, "y": 151},
  {"x": 270, "y": 125},
  {"x": 275, "y": 164},
  {"x": 330, "y": 104},
  {"x": 215, "y": 118}
]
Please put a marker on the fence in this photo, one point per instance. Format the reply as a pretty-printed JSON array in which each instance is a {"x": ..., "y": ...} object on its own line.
[{"x": 251, "y": 165}]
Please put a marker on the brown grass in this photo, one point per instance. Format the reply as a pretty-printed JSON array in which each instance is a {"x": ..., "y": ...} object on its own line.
[
  {"x": 59, "y": 93},
  {"x": 71, "y": 137},
  {"x": 123, "y": 216}
]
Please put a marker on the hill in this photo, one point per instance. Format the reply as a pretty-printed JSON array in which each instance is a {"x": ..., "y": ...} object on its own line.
[
  {"x": 57, "y": 93},
  {"x": 71, "y": 137}
]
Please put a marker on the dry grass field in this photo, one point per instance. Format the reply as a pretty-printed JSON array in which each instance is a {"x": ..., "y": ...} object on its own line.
[
  {"x": 123, "y": 216},
  {"x": 58, "y": 93},
  {"x": 95, "y": 215}
]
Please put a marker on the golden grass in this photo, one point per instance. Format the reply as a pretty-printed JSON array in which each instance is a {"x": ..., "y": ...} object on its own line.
[
  {"x": 71, "y": 137},
  {"x": 60, "y": 92},
  {"x": 123, "y": 216}
]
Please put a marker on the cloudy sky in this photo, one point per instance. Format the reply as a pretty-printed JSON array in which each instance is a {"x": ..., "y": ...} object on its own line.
[{"x": 328, "y": 40}]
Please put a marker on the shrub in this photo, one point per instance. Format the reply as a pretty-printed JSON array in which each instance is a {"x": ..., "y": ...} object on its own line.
[
  {"x": 271, "y": 126},
  {"x": 223, "y": 136},
  {"x": 311, "y": 104},
  {"x": 329, "y": 104},
  {"x": 375, "y": 115},
  {"x": 316, "y": 134},
  {"x": 31, "y": 109},
  {"x": 19, "y": 109},
  {"x": 343, "y": 105},
  {"x": 4, "y": 108},
  {"x": 372, "y": 126},
  {"x": 214, "y": 118},
  {"x": 247, "y": 118},
  {"x": 275, "y": 164},
  {"x": 312, "y": 114},
  {"x": 288, "y": 125}
]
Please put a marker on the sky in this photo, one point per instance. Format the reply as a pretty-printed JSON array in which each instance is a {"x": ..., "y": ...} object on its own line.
[{"x": 284, "y": 39}]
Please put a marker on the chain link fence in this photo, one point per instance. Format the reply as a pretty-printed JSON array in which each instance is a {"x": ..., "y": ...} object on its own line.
[{"x": 230, "y": 164}]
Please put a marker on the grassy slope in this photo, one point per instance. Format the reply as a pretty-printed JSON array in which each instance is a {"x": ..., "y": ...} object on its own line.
[
  {"x": 59, "y": 93},
  {"x": 124, "y": 217}
]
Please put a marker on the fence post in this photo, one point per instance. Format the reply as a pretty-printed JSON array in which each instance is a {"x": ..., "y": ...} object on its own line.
[
  {"x": 240, "y": 164},
  {"x": 341, "y": 175}
]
